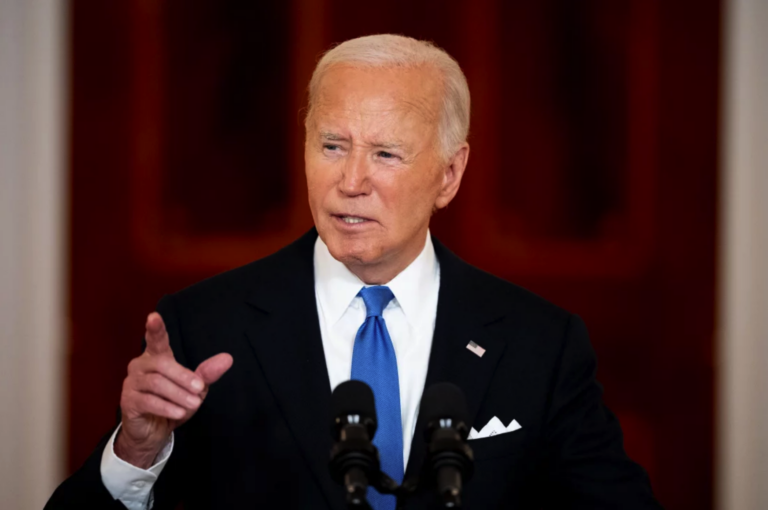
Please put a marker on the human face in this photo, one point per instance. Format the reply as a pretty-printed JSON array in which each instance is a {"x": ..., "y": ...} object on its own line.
[{"x": 373, "y": 170}]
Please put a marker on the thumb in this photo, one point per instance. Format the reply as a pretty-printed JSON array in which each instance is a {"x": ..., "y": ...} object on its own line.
[{"x": 214, "y": 367}]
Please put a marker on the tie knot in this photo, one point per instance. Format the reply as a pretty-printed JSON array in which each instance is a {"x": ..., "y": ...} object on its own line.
[{"x": 376, "y": 299}]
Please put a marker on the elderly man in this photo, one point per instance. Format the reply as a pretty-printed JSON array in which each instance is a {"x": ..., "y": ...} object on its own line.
[{"x": 228, "y": 405}]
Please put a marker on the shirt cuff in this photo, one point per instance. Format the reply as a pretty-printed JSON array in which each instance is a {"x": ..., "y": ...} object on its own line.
[{"x": 128, "y": 483}]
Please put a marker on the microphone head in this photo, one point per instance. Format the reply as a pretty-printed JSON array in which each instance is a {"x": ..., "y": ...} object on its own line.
[
  {"x": 353, "y": 398},
  {"x": 444, "y": 401}
]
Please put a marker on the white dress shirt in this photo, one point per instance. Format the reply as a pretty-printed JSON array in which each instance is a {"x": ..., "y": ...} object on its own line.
[
  {"x": 128, "y": 483},
  {"x": 410, "y": 319}
]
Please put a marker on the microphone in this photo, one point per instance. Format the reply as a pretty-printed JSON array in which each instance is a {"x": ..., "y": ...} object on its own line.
[
  {"x": 354, "y": 459},
  {"x": 449, "y": 460}
]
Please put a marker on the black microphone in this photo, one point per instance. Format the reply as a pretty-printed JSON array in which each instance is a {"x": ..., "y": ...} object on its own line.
[
  {"x": 354, "y": 459},
  {"x": 449, "y": 460}
]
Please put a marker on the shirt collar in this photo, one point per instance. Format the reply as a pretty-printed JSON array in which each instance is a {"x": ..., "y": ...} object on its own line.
[{"x": 336, "y": 286}]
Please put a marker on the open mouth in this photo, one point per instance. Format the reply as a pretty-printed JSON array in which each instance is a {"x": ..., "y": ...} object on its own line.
[{"x": 351, "y": 220}]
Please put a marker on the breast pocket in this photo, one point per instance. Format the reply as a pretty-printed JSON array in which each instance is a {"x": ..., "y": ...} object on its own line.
[{"x": 501, "y": 445}]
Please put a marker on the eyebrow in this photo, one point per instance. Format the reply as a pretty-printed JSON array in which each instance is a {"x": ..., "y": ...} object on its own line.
[
  {"x": 388, "y": 145},
  {"x": 332, "y": 137},
  {"x": 335, "y": 137}
]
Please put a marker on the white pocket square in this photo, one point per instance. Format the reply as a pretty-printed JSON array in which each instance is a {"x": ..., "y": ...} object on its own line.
[{"x": 494, "y": 428}]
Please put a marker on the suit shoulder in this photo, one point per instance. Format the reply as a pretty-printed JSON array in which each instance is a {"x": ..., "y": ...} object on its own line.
[
  {"x": 238, "y": 283},
  {"x": 492, "y": 291},
  {"x": 526, "y": 315},
  {"x": 518, "y": 297},
  {"x": 534, "y": 324}
]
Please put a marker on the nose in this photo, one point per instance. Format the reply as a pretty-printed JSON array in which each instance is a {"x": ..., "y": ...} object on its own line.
[{"x": 354, "y": 178}]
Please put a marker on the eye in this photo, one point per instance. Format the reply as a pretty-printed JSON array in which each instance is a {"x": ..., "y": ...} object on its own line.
[
  {"x": 330, "y": 147},
  {"x": 386, "y": 155}
]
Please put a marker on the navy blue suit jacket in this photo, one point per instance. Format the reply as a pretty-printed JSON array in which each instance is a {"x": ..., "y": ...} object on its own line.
[{"x": 262, "y": 440}]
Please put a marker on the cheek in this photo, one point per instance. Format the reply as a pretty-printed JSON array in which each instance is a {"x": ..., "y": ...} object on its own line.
[
  {"x": 408, "y": 202},
  {"x": 417, "y": 195},
  {"x": 319, "y": 181}
]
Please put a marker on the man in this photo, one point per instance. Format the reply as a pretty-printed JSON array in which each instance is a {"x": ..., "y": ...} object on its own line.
[{"x": 228, "y": 405}]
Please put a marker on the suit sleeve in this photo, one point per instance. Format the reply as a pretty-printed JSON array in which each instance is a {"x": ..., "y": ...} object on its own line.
[
  {"x": 585, "y": 453},
  {"x": 85, "y": 489}
]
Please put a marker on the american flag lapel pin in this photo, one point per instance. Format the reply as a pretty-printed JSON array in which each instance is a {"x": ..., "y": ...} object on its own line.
[{"x": 472, "y": 346}]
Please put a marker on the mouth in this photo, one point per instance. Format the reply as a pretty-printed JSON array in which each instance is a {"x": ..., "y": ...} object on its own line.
[{"x": 351, "y": 220}]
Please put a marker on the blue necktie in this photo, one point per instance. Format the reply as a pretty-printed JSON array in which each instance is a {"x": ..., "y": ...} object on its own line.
[{"x": 374, "y": 362}]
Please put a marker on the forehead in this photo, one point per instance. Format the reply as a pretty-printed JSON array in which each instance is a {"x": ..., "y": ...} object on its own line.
[{"x": 378, "y": 95}]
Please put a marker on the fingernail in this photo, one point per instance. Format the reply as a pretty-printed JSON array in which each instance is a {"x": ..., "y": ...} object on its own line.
[
  {"x": 193, "y": 401},
  {"x": 197, "y": 384},
  {"x": 179, "y": 413}
]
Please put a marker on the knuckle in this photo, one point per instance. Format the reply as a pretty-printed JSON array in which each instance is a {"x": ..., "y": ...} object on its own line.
[
  {"x": 177, "y": 393},
  {"x": 144, "y": 403},
  {"x": 186, "y": 376},
  {"x": 179, "y": 374},
  {"x": 125, "y": 402},
  {"x": 138, "y": 364},
  {"x": 158, "y": 407},
  {"x": 178, "y": 412},
  {"x": 163, "y": 364},
  {"x": 154, "y": 383}
]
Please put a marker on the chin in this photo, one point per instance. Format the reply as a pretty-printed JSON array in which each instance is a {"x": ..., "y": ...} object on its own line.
[{"x": 352, "y": 252}]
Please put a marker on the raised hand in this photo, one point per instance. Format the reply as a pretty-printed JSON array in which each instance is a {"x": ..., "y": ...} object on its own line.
[{"x": 159, "y": 395}]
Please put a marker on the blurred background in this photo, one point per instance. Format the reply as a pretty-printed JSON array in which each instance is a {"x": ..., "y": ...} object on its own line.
[{"x": 619, "y": 168}]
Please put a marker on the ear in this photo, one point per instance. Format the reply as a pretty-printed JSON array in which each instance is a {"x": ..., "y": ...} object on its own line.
[{"x": 453, "y": 171}]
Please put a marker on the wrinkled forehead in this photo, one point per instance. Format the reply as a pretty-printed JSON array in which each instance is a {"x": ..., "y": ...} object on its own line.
[{"x": 371, "y": 95}]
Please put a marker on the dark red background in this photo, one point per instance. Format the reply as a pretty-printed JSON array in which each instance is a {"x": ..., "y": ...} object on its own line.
[{"x": 592, "y": 179}]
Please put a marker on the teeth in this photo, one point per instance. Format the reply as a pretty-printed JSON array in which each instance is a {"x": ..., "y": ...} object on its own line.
[{"x": 352, "y": 219}]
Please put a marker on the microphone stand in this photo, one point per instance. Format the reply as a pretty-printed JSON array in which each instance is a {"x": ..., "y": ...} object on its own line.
[
  {"x": 355, "y": 465},
  {"x": 386, "y": 485},
  {"x": 356, "y": 483}
]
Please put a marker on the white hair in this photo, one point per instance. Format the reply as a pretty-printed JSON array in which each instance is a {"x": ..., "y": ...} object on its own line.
[{"x": 388, "y": 50}]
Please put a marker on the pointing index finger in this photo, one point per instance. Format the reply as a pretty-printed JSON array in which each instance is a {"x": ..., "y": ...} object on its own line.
[{"x": 156, "y": 335}]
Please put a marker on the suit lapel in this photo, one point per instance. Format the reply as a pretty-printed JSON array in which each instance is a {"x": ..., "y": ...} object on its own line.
[
  {"x": 285, "y": 336},
  {"x": 463, "y": 313}
]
